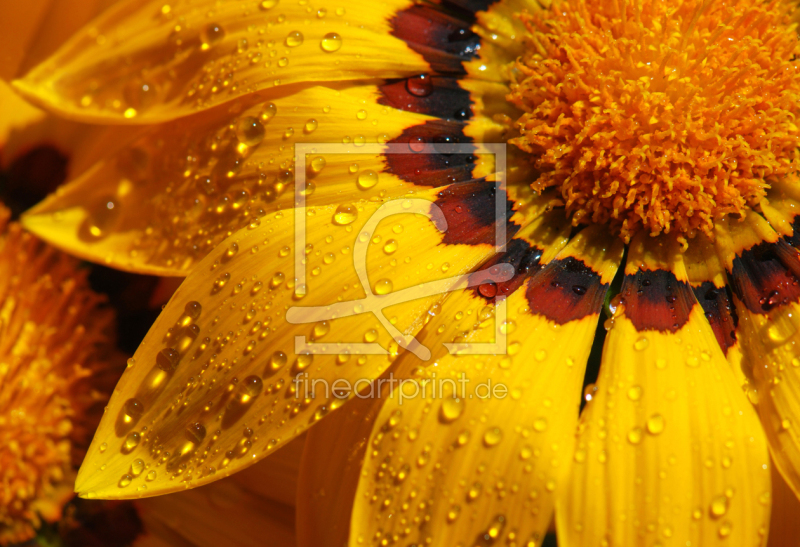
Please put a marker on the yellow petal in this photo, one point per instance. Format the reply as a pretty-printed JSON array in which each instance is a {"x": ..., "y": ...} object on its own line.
[
  {"x": 213, "y": 381},
  {"x": 145, "y": 62},
  {"x": 163, "y": 202},
  {"x": 669, "y": 451},
  {"x": 336, "y": 447},
  {"x": 706, "y": 275},
  {"x": 15, "y": 113},
  {"x": 764, "y": 270},
  {"x": 481, "y": 456},
  {"x": 500, "y": 30}
]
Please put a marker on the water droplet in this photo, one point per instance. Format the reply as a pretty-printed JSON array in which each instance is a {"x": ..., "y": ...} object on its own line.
[
  {"x": 232, "y": 250},
  {"x": 540, "y": 424},
  {"x": 496, "y": 527},
  {"x": 390, "y": 246},
  {"x": 268, "y": 112},
  {"x": 367, "y": 179},
  {"x": 635, "y": 435},
  {"x": 221, "y": 281},
  {"x": 277, "y": 360},
  {"x": 641, "y": 343},
  {"x": 345, "y": 214},
  {"x": 635, "y": 393},
  {"x": 318, "y": 164},
  {"x": 137, "y": 467},
  {"x": 303, "y": 361},
  {"x": 167, "y": 359},
  {"x": 206, "y": 185},
  {"x": 719, "y": 506},
  {"x": 725, "y": 529},
  {"x": 131, "y": 442},
  {"x": 252, "y": 386},
  {"x": 474, "y": 491},
  {"x": 133, "y": 409},
  {"x": 195, "y": 433},
  {"x": 453, "y": 513},
  {"x": 102, "y": 218},
  {"x": 421, "y": 86},
  {"x": 125, "y": 481},
  {"x": 655, "y": 424},
  {"x": 151, "y": 476},
  {"x": 371, "y": 335},
  {"x": 451, "y": 409},
  {"x": 266, "y": 5},
  {"x": 383, "y": 286},
  {"x": 394, "y": 419},
  {"x": 249, "y": 131},
  {"x": 361, "y": 114},
  {"x": 193, "y": 309},
  {"x": 103, "y": 447},
  {"x": 493, "y": 436},
  {"x": 139, "y": 95},
  {"x": 294, "y": 39},
  {"x": 283, "y": 61},
  {"x": 311, "y": 126},
  {"x": 212, "y": 34},
  {"x": 331, "y": 42}
]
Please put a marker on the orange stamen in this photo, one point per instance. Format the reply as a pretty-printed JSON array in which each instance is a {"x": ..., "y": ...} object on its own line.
[{"x": 660, "y": 115}]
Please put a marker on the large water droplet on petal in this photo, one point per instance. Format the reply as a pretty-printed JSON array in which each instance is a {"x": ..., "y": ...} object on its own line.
[
  {"x": 294, "y": 39},
  {"x": 451, "y": 409},
  {"x": 345, "y": 214},
  {"x": 331, "y": 42},
  {"x": 249, "y": 131},
  {"x": 367, "y": 179}
]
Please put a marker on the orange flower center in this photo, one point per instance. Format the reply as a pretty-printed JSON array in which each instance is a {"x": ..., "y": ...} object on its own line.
[
  {"x": 54, "y": 346},
  {"x": 659, "y": 115}
]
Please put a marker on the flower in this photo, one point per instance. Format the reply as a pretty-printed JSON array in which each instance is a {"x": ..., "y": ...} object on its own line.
[
  {"x": 54, "y": 356},
  {"x": 652, "y": 173},
  {"x": 46, "y": 430}
]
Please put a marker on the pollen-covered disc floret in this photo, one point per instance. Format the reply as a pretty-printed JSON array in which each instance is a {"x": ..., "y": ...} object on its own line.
[
  {"x": 661, "y": 115},
  {"x": 53, "y": 378}
]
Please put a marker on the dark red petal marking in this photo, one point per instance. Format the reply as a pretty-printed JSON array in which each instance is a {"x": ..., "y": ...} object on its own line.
[
  {"x": 425, "y": 94},
  {"x": 427, "y": 169},
  {"x": 766, "y": 276},
  {"x": 566, "y": 290},
  {"x": 469, "y": 208},
  {"x": 472, "y": 6},
  {"x": 442, "y": 40},
  {"x": 656, "y": 300},
  {"x": 520, "y": 254},
  {"x": 716, "y": 303}
]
